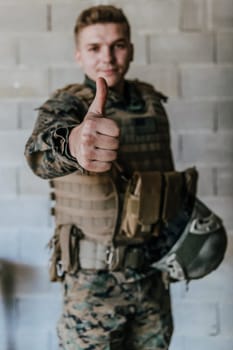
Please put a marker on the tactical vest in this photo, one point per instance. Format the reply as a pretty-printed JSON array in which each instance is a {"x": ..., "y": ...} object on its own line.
[{"x": 91, "y": 201}]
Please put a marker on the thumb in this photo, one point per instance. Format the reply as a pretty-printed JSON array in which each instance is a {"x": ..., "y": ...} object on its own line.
[{"x": 100, "y": 99}]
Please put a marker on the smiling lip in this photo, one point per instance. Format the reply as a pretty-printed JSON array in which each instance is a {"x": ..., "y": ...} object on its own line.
[{"x": 109, "y": 71}]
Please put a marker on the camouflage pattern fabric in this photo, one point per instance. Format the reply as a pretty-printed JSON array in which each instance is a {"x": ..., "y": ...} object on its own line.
[
  {"x": 101, "y": 313},
  {"x": 47, "y": 150},
  {"x": 101, "y": 310}
]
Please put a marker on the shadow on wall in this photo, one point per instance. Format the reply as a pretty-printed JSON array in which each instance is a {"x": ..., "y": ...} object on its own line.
[{"x": 10, "y": 273}]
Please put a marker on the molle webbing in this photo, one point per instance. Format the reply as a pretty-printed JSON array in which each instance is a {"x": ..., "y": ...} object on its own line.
[
  {"x": 144, "y": 138},
  {"x": 88, "y": 201}
]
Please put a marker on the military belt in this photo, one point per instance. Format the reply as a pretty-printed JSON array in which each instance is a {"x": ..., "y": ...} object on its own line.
[{"x": 96, "y": 256}]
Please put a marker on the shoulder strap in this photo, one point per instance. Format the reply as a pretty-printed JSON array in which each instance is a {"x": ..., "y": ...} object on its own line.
[{"x": 148, "y": 89}]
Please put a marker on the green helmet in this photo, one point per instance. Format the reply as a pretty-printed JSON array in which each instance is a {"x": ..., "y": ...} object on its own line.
[{"x": 192, "y": 245}]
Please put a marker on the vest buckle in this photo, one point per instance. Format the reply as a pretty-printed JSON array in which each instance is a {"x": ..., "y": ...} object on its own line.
[{"x": 110, "y": 256}]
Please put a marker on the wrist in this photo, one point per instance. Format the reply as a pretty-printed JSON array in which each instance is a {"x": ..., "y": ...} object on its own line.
[{"x": 72, "y": 141}]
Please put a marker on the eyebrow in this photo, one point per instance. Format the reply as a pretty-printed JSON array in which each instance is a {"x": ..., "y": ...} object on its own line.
[{"x": 114, "y": 42}]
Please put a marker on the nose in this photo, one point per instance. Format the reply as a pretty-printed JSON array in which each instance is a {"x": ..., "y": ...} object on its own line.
[{"x": 107, "y": 54}]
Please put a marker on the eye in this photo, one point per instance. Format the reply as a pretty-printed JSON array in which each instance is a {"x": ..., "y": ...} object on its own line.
[
  {"x": 120, "y": 45},
  {"x": 93, "y": 48}
]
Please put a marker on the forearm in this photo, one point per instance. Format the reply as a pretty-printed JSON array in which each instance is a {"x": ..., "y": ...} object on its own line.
[
  {"x": 52, "y": 159},
  {"x": 47, "y": 150}
]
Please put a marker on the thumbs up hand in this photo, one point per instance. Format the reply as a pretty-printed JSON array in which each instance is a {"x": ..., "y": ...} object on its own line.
[{"x": 94, "y": 142}]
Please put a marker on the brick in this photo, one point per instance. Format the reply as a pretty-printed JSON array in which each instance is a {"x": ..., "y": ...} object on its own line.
[
  {"x": 225, "y": 181},
  {"x": 178, "y": 290},
  {"x": 204, "y": 343},
  {"x": 55, "y": 289},
  {"x": 163, "y": 77},
  {"x": 64, "y": 15},
  {"x": 195, "y": 318},
  {"x": 28, "y": 112},
  {"x": 33, "y": 249},
  {"x": 9, "y": 246},
  {"x": 222, "y": 13},
  {"x": 200, "y": 289},
  {"x": 225, "y": 119},
  {"x": 7, "y": 50},
  {"x": 176, "y": 342},
  {"x": 8, "y": 115},
  {"x": 3, "y": 340},
  {"x": 208, "y": 148},
  {"x": 30, "y": 184},
  {"x": 206, "y": 181},
  {"x": 44, "y": 311},
  {"x": 175, "y": 146},
  {"x": 192, "y": 15},
  {"x": 226, "y": 317},
  {"x": 140, "y": 48},
  {"x": 8, "y": 181},
  {"x": 46, "y": 49},
  {"x": 2, "y": 323},
  {"x": 13, "y": 154},
  {"x": 25, "y": 212},
  {"x": 191, "y": 115},
  {"x": 32, "y": 339},
  {"x": 225, "y": 47},
  {"x": 207, "y": 81},
  {"x": 59, "y": 77},
  {"x": 23, "y": 82},
  {"x": 222, "y": 206},
  {"x": 182, "y": 47},
  {"x": 22, "y": 17},
  {"x": 151, "y": 15},
  {"x": 30, "y": 280},
  {"x": 53, "y": 341}
]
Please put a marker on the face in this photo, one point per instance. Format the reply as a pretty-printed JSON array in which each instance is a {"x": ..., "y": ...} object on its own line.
[{"x": 104, "y": 50}]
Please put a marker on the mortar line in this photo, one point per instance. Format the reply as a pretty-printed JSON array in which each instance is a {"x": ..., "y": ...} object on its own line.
[{"x": 49, "y": 17}]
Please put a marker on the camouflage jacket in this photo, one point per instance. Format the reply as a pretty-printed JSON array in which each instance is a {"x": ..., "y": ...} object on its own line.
[{"x": 47, "y": 150}]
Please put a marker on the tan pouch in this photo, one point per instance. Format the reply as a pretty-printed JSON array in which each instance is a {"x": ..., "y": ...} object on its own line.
[
  {"x": 154, "y": 198},
  {"x": 65, "y": 251},
  {"x": 141, "y": 209}
]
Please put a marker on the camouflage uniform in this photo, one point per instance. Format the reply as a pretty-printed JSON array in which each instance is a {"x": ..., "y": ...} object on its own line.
[
  {"x": 128, "y": 309},
  {"x": 101, "y": 313}
]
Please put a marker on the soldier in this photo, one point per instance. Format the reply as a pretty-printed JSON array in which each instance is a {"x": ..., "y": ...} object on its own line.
[{"x": 88, "y": 140}]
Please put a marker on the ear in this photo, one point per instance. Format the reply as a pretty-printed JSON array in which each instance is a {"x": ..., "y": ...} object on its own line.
[
  {"x": 78, "y": 57},
  {"x": 132, "y": 52}
]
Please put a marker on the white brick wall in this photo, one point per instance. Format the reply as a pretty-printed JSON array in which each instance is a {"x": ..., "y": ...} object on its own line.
[
  {"x": 19, "y": 81},
  {"x": 163, "y": 76},
  {"x": 15, "y": 17},
  {"x": 46, "y": 49},
  {"x": 207, "y": 81},
  {"x": 184, "y": 48}
]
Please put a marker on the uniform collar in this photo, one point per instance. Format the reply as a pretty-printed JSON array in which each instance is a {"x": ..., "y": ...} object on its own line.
[{"x": 131, "y": 100}]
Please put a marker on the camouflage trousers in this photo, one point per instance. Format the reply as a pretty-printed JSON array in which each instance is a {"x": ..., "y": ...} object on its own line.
[{"x": 100, "y": 312}]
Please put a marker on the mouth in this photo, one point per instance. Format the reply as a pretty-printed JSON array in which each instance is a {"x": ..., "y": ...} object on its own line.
[{"x": 109, "y": 71}]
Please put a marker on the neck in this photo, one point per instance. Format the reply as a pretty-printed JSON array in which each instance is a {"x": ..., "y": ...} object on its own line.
[{"x": 119, "y": 88}]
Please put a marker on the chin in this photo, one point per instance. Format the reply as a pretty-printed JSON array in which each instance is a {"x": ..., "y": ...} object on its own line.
[{"x": 111, "y": 82}]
